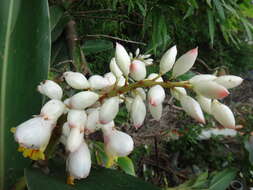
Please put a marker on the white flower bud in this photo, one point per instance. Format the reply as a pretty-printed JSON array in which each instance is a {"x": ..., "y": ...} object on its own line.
[
  {"x": 114, "y": 68},
  {"x": 92, "y": 122},
  {"x": 223, "y": 114},
  {"x": 201, "y": 77},
  {"x": 77, "y": 118},
  {"x": 118, "y": 143},
  {"x": 65, "y": 133},
  {"x": 192, "y": 108},
  {"x": 229, "y": 81},
  {"x": 79, "y": 162},
  {"x": 51, "y": 89},
  {"x": 139, "y": 91},
  {"x": 205, "y": 103},
  {"x": 210, "y": 89},
  {"x": 121, "y": 81},
  {"x": 98, "y": 82},
  {"x": 156, "y": 111},
  {"x": 67, "y": 105},
  {"x": 128, "y": 103},
  {"x": 107, "y": 128},
  {"x": 168, "y": 60},
  {"x": 76, "y": 80},
  {"x": 109, "y": 110},
  {"x": 83, "y": 100},
  {"x": 74, "y": 139},
  {"x": 185, "y": 62},
  {"x": 176, "y": 92},
  {"x": 138, "y": 112},
  {"x": 110, "y": 78},
  {"x": 156, "y": 95},
  {"x": 138, "y": 70},
  {"x": 52, "y": 110},
  {"x": 34, "y": 133},
  {"x": 122, "y": 59},
  {"x": 153, "y": 76},
  {"x": 208, "y": 133}
]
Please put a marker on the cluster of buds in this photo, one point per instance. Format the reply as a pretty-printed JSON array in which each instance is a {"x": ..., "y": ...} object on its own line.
[{"x": 97, "y": 100}]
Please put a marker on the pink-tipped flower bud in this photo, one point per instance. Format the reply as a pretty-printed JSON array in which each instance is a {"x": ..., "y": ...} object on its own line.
[
  {"x": 118, "y": 143},
  {"x": 52, "y": 110},
  {"x": 98, "y": 82},
  {"x": 50, "y": 89},
  {"x": 34, "y": 133},
  {"x": 223, "y": 114},
  {"x": 74, "y": 139},
  {"x": 185, "y": 62},
  {"x": 122, "y": 59},
  {"x": 168, "y": 60},
  {"x": 114, "y": 68},
  {"x": 110, "y": 78},
  {"x": 76, "y": 80},
  {"x": 83, "y": 100},
  {"x": 176, "y": 92},
  {"x": 92, "y": 124},
  {"x": 229, "y": 81},
  {"x": 138, "y": 70},
  {"x": 205, "y": 103},
  {"x": 139, "y": 91},
  {"x": 156, "y": 111},
  {"x": 138, "y": 112},
  {"x": 211, "y": 89},
  {"x": 153, "y": 76},
  {"x": 201, "y": 77},
  {"x": 109, "y": 110},
  {"x": 77, "y": 118},
  {"x": 79, "y": 162},
  {"x": 156, "y": 95},
  {"x": 192, "y": 108}
]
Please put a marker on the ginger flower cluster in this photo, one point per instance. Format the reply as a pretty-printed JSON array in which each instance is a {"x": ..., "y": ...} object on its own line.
[{"x": 97, "y": 100}]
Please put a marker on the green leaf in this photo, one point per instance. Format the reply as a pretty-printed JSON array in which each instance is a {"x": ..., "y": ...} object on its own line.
[
  {"x": 211, "y": 25},
  {"x": 126, "y": 164},
  {"x": 221, "y": 180},
  {"x": 24, "y": 61},
  {"x": 96, "y": 46},
  {"x": 99, "y": 179},
  {"x": 56, "y": 13},
  {"x": 248, "y": 146},
  {"x": 219, "y": 7}
]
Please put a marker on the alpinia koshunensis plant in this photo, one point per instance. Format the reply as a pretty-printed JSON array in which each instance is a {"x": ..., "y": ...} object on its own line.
[{"x": 97, "y": 102}]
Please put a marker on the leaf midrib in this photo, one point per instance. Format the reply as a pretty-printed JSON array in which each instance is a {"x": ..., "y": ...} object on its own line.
[{"x": 3, "y": 90}]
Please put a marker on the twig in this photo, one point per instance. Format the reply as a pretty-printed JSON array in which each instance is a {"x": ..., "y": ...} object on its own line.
[
  {"x": 204, "y": 64},
  {"x": 115, "y": 38}
]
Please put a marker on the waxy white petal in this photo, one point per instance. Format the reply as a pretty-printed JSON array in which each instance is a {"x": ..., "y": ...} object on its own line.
[
  {"x": 76, "y": 80},
  {"x": 109, "y": 110},
  {"x": 128, "y": 103},
  {"x": 205, "y": 103},
  {"x": 153, "y": 76},
  {"x": 156, "y": 95},
  {"x": 77, "y": 118},
  {"x": 118, "y": 143},
  {"x": 98, "y": 82},
  {"x": 201, "y": 77},
  {"x": 79, "y": 162},
  {"x": 110, "y": 78},
  {"x": 83, "y": 100},
  {"x": 52, "y": 110},
  {"x": 210, "y": 89},
  {"x": 185, "y": 62},
  {"x": 229, "y": 81},
  {"x": 168, "y": 60},
  {"x": 208, "y": 133},
  {"x": 121, "y": 82},
  {"x": 92, "y": 122},
  {"x": 156, "y": 111},
  {"x": 51, "y": 89},
  {"x": 34, "y": 133},
  {"x": 139, "y": 91},
  {"x": 74, "y": 139},
  {"x": 223, "y": 114},
  {"x": 192, "y": 108},
  {"x": 122, "y": 59},
  {"x": 138, "y": 112},
  {"x": 114, "y": 68},
  {"x": 176, "y": 92},
  {"x": 138, "y": 70}
]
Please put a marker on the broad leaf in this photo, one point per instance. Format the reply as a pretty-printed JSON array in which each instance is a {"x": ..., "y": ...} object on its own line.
[
  {"x": 96, "y": 46},
  {"x": 99, "y": 179},
  {"x": 126, "y": 164},
  {"x": 24, "y": 59}
]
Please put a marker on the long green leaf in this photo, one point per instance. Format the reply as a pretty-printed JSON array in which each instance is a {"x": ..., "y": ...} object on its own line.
[
  {"x": 24, "y": 59},
  {"x": 220, "y": 9},
  {"x": 126, "y": 164},
  {"x": 211, "y": 25}
]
